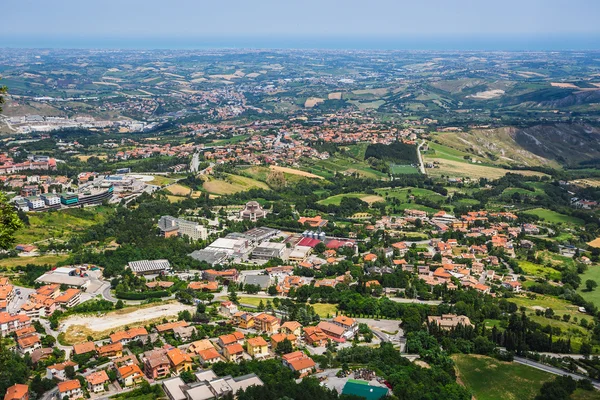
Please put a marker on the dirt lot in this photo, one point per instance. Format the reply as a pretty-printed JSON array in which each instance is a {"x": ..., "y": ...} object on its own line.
[
  {"x": 335, "y": 96},
  {"x": 312, "y": 101},
  {"x": 292, "y": 171},
  {"x": 179, "y": 190},
  {"x": 101, "y": 325}
]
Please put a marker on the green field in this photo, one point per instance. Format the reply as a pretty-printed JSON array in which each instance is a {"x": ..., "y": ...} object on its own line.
[
  {"x": 40, "y": 260},
  {"x": 327, "y": 168},
  {"x": 539, "y": 270},
  {"x": 559, "y": 306},
  {"x": 592, "y": 273},
  {"x": 61, "y": 225},
  {"x": 337, "y": 199},
  {"x": 554, "y": 217},
  {"x": 490, "y": 379},
  {"x": 232, "y": 184},
  {"x": 396, "y": 169}
]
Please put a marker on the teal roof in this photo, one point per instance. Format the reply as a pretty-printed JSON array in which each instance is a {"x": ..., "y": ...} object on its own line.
[{"x": 363, "y": 389}]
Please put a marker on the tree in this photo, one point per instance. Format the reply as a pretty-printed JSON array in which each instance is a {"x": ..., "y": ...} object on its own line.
[
  {"x": 233, "y": 297},
  {"x": 9, "y": 220},
  {"x": 272, "y": 290},
  {"x": 3, "y": 90},
  {"x": 187, "y": 377},
  {"x": 284, "y": 347},
  {"x": 590, "y": 285},
  {"x": 70, "y": 371},
  {"x": 119, "y": 305}
]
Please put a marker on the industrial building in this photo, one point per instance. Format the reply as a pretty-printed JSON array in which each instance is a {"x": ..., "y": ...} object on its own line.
[
  {"x": 171, "y": 226},
  {"x": 149, "y": 267}
]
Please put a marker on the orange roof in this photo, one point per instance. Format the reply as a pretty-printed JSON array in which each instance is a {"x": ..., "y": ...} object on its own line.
[
  {"x": 68, "y": 386},
  {"x": 170, "y": 326},
  {"x": 266, "y": 318},
  {"x": 67, "y": 295},
  {"x": 370, "y": 257},
  {"x": 257, "y": 342},
  {"x": 109, "y": 348},
  {"x": 16, "y": 392},
  {"x": 176, "y": 356},
  {"x": 231, "y": 338},
  {"x": 302, "y": 364},
  {"x": 83, "y": 348},
  {"x": 130, "y": 334},
  {"x": 235, "y": 348},
  {"x": 209, "y": 354},
  {"x": 97, "y": 378},
  {"x": 343, "y": 320},
  {"x": 128, "y": 370},
  {"x": 400, "y": 262},
  {"x": 280, "y": 337},
  {"x": 291, "y": 325}
]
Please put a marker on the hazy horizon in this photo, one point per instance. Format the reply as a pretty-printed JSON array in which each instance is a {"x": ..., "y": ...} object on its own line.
[
  {"x": 379, "y": 24},
  {"x": 406, "y": 42}
]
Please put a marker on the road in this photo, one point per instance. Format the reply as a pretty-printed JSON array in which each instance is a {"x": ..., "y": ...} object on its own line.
[
  {"x": 421, "y": 165},
  {"x": 555, "y": 371}
]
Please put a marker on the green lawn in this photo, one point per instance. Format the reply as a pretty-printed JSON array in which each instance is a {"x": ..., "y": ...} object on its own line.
[
  {"x": 396, "y": 169},
  {"x": 559, "y": 306},
  {"x": 490, "y": 379},
  {"x": 554, "y": 217},
  {"x": 592, "y": 273}
]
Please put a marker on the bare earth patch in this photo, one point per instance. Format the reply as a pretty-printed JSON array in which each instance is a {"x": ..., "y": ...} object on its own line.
[
  {"x": 293, "y": 171},
  {"x": 312, "y": 101}
]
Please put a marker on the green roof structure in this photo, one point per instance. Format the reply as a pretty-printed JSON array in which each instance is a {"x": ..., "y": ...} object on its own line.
[{"x": 362, "y": 388}]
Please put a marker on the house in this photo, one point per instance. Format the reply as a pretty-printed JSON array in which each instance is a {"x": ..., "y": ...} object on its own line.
[
  {"x": 27, "y": 344},
  {"x": 228, "y": 308},
  {"x": 17, "y": 392},
  {"x": 257, "y": 347},
  {"x": 70, "y": 298},
  {"x": 209, "y": 356},
  {"x": 84, "y": 348},
  {"x": 111, "y": 350},
  {"x": 299, "y": 362},
  {"x": 11, "y": 323},
  {"x": 41, "y": 354},
  {"x": 313, "y": 222},
  {"x": 130, "y": 375},
  {"x": 70, "y": 389},
  {"x": 266, "y": 323},
  {"x": 200, "y": 345},
  {"x": 235, "y": 337},
  {"x": 244, "y": 320},
  {"x": 332, "y": 330},
  {"x": 314, "y": 336},
  {"x": 291, "y": 327},
  {"x": 449, "y": 321},
  {"x": 515, "y": 286},
  {"x": 58, "y": 370},
  {"x": 179, "y": 360},
  {"x": 169, "y": 326},
  {"x": 349, "y": 324},
  {"x": 156, "y": 364},
  {"x": 233, "y": 352},
  {"x": 184, "y": 333},
  {"x": 96, "y": 381},
  {"x": 280, "y": 337},
  {"x": 131, "y": 335}
]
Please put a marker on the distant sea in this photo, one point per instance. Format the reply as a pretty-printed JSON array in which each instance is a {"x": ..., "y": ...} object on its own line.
[{"x": 448, "y": 43}]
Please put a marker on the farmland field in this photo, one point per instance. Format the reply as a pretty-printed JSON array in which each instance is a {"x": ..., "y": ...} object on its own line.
[
  {"x": 40, "y": 260},
  {"x": 503, "y": 380},
  {"x": 232, "y": 184},
  {"x": 554, "y": 217},
  {"x": 179, "y": 190},
  {"x": 323, "y": 309},
  {"x": 396, "y": 169},
  {"x": 337, "y": 199}
]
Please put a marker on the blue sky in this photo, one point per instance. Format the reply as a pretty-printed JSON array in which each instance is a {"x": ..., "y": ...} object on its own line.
[{"x": 80, "y": 19}]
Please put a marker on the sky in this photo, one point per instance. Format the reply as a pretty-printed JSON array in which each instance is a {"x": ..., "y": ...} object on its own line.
[{"x": 574, "y": 22}]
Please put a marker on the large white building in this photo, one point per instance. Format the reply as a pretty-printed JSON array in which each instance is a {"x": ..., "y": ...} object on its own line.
[{"x": 170, "y": 226}]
